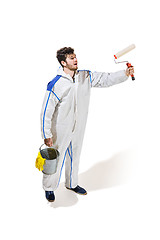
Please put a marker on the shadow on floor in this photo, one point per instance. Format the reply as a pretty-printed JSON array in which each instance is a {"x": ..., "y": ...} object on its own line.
[{"x": 117, "y": 170}]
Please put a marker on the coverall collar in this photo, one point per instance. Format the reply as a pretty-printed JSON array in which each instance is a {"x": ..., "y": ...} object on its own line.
[{"x": 63, "y": 74}]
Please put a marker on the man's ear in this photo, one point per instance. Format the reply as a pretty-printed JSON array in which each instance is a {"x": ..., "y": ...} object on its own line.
[{"x": 63, "y": 63}]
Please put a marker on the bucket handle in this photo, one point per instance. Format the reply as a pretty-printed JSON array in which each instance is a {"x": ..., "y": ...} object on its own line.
[
  {"x": 40, "y": 148},
  {"x": 43, "y": 145}
]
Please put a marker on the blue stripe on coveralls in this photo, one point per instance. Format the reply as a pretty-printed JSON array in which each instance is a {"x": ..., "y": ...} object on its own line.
[
  {"x": 71, "y": 166},
  {"x": 90, "y": 77},
  {"x": 55, "y": 95},
  {"x": 49, "y": 88},
  {"x": 71, "y": 157},
  {"x": 62, "y": 167}
]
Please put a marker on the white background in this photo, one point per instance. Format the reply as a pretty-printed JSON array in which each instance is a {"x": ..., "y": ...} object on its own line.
[{"x": 120, "y": 158}]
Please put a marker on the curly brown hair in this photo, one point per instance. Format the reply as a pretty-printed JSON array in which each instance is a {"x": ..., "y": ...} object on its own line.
[{"x": 63, "y": 52}]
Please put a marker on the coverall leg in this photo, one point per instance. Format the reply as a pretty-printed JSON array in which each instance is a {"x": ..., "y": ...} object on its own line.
[
  {"x": 71, "y": 167},
  {"x": 51, "y": 182}
]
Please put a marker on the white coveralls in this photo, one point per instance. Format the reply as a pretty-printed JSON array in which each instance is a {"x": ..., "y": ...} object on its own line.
[{"x": 63, "y": 118}]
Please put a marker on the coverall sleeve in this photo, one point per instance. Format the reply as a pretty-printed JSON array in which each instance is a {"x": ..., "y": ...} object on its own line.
[
  {"x": 103, "y": 79},
  {"x": 48, "y": 108}
]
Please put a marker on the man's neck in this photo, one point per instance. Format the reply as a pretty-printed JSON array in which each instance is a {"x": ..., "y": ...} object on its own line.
[{"x": 70, "y": 72}]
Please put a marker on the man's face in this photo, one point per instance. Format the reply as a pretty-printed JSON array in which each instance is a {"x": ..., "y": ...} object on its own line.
[{"x": 71, "y": 62}]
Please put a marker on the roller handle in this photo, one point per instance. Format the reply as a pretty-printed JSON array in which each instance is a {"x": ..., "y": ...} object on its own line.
[{"x": 130, "y": 65}]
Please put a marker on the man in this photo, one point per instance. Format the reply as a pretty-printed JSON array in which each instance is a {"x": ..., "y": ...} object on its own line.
[{"x": 64, "y": 114}]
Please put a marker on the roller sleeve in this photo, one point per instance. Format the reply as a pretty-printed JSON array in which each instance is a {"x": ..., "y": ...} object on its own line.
[{"x": 124, "y": 51}]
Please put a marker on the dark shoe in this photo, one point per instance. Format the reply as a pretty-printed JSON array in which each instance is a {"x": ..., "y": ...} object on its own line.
[
  {"x": 78, "y": 190},
  {"x": 50, "y": 196}
]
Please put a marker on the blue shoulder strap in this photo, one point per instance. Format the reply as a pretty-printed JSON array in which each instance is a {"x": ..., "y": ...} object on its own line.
[{"x": 52, "y": 83}]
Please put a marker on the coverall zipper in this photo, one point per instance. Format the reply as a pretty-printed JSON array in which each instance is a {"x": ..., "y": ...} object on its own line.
[{"x": 75, "y": 82}]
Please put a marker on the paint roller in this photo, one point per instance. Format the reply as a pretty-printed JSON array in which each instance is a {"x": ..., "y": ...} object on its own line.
[{"x": 121, "y": 53}]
